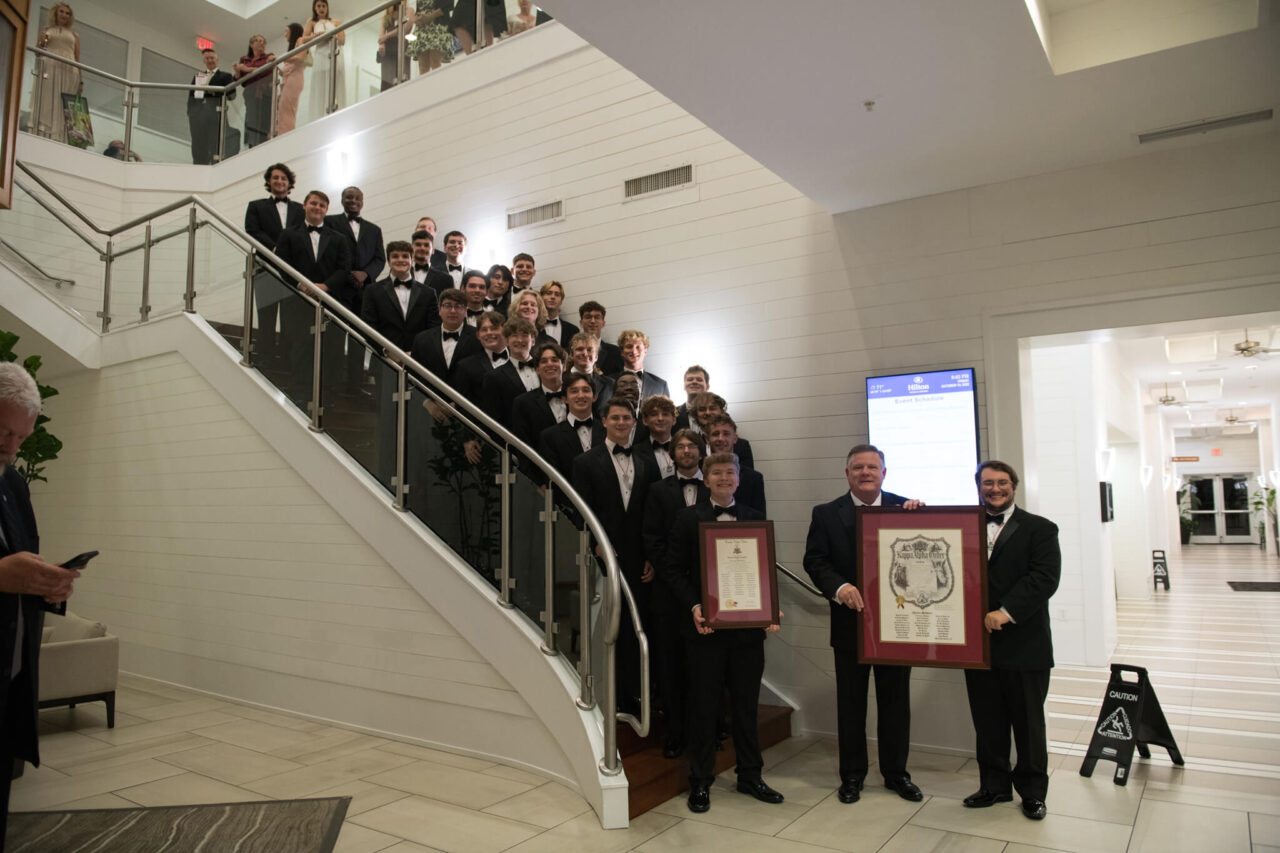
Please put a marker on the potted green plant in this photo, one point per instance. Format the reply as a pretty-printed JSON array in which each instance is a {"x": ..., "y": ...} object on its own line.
[
  {"x": 1263, "y": 502},
  {"x": 1186, "y": 523}
]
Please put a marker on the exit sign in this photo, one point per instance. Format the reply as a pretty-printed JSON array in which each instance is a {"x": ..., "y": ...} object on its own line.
[
  {"x": 204, "y": 44},
  {"x": 1217, "y": 451}
]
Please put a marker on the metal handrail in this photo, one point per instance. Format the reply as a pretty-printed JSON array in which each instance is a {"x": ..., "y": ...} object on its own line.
[
  {"x": 808, "y": 587},
  {"x": 400, "y": 361},
  {"x": 57, "y": 281}
]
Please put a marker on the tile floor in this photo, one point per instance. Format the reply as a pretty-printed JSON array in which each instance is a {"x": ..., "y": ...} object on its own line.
[{"x": 1212, "y": 654}]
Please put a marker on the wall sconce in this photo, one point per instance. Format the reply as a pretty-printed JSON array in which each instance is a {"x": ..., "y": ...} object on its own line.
[
  {"x": 1145, "y": 475},
  {"x": 1106, "y": 463}
]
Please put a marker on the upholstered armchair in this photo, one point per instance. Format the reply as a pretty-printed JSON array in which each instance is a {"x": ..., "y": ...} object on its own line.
[{"x": 79, "y": 662}]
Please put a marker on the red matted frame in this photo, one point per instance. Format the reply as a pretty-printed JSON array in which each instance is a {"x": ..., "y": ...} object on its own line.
[
  {"x": 761, "y": 535},
  {"x": 874, "y": 527}
]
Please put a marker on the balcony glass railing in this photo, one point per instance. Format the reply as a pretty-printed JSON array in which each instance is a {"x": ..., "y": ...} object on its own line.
[
  {"x": 509, "y": 515},
  {"x": 157, "y": 121}
]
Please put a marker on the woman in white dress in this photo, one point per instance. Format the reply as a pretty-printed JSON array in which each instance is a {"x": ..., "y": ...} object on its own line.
[
  {"x": 318, "y": 86},
  {"x": 56, "y": 78}
]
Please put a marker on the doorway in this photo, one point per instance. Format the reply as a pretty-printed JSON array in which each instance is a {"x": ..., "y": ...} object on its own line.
[{"x": 1220, "y": 509}]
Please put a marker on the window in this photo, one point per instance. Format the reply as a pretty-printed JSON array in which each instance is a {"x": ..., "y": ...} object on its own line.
[{"x": 161, "y": 110}]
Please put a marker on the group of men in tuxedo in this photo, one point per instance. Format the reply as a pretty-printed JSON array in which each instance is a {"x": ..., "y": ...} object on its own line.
[
  {"x": 644, "y": 465},
  {"x": 1023, "y": 568}
]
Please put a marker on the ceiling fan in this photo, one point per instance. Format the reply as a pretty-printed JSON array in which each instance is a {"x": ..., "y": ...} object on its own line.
[
  {"x": 1249, "y": 348},
  {"x": 1168, "y": 399}
]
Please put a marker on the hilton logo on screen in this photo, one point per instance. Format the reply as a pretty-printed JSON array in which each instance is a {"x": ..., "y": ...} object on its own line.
[{"x": 917, "y": 383}]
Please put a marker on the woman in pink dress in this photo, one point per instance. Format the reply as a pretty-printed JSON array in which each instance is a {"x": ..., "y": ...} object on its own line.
[{"x": 290, "y": 84}]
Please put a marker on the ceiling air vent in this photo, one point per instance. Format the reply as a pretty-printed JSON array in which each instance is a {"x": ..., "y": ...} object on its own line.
[
  {"x": 549, "y": 212},
  {"x": 659, "y": 181},
  {"x": 1204, "y": 126}
]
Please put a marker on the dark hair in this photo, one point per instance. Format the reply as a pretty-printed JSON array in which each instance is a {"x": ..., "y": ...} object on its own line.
[
  {"x": 452, "y": 295},
  {"x": 207, "y": 50},
  {"x": 540, "y": 348},
  {"x": 698, "y": 368},
  {"x": 721, "y": 459},
  {"x": 424, "y": 235},
  {"x": 506, "y": 273},
  {"x": 314, "y": 15},
  {"x": 717, "y": 420},
  {"x": 696, "y": 437},
  {"x": 399, "y": 246},
  {"x": 996, "y": 465},
  {"x": 295, "y": 33},
  {"x": 467, "y": 275},
  {"x": 523, "y": 256},
  {"x": 589, "y": 306},
  {"x": 570, "y": 377},
  {"x": 616, "y": 402},
  {"x": 493, "y": 318},
  {"x": 454, "y": 234},
  {"x": 518, "y": 326},
  {"x": 703, "y": 398},
  {"x": 655, "y": 402},
  {"x": 318, "y": 194},
  {"x": 274, "y": 167},
  {"x": 864, "y": 448}
]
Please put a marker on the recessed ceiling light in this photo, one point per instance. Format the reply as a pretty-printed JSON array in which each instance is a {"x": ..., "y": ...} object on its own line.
[
  {"x": 1175, "y": 372},
  {"x": 1244, "y": 402}
]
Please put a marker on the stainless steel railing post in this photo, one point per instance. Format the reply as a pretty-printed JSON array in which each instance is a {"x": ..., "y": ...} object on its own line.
[
  {"x": 246, "y": 340},
  {"x": 222, "y": 126},
  {"x": 275, "y": 101},
  {"x": 105, "y": 313},
  {"x": 504, "y": 577},
  {"x": 333, "y": 76},
  {"x": 402, "y": 434},
  {"x": 128, "y": 121},
  {"x": 314, "y": 426},
  {"x": 403, "y": 56},
  {"x": 548, "y": 518},
  {"x": 189, "y": 299},
  {"x": 586, "y": 587},
  {"x": 144, "y": 311}
]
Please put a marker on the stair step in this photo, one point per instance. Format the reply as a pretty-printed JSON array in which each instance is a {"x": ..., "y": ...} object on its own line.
[{"x": 653, "y": 780}]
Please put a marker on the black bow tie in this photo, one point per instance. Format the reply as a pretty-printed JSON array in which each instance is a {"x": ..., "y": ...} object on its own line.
[
  {"x": 553, "y": 322},
  {"x": 402, "y": 283},
  {"x": 422, "y": 267},
  {"x": 491, "y": 303},
  {"x": 453, "y": 267},
  {"x": 499, "y": 356},
  {"x": 638, "y": 374},
  {"x": 275, "y": 200},
  {"x": 665, "y": 445},
  {"x": 311, "y": 228},
  {"x": 584, "y": 423},
  {"x": 689, "y": 481},
  {"x": 725, "y": 510},
  {"x": 450, "y": 336},
  {"x": 474, "y": 312},
  {"x": 528, "y": 364},
  {"x": 554, "y": 395},
  {"x": 619, "y": 450},
  {"x": 354, "y": 217},
  {"x": 997, "y": 519}
]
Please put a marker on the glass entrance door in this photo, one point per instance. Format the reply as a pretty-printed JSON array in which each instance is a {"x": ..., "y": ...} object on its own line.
[{"x": 1220, "y": 509}]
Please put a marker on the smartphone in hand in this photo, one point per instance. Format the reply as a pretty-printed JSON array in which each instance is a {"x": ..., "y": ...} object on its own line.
[{"x": 79, "y": 561}]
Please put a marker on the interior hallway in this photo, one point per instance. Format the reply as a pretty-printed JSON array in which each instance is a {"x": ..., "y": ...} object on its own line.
[{"x": 1212, "y": 654}]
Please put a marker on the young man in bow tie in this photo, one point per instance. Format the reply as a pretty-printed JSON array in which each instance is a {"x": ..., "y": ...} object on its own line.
[
  {"x": 609, "y": 358},
  {"x": 522, "y": 271},
  {"x": 696, "y": 380},
  {"x": 615, "y": 483},
  {"x": 544, "y": 406},
  {"x": 469, "y": 372},
  {"x": 441, "y": 349},
  {"x": 424, "y": 271},
  {"x": 722, "y": 436},
  {"x": 831, "y": 559},
  {"x": 514, "y": 377},
  {"x": 580, "y": 431},
  {"x": 455, "y": 243},
  {"x": 558, "y": 329},
  {"x": 717, "y": 657},
  {"x": 474, "y": 288},
  {"x": 634, "y": 346},
  {"x": 1024, "y": 565},
  {"x": 428, "y": 224},
  {"x": 658, "y": 414},
  {"x": 364, "y": 241},
  {"x": 666, "y": 499},
  {"x": 264, "y": 219}
]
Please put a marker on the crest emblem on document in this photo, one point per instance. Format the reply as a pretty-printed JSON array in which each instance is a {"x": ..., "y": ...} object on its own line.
[{"x": 921, "y": 572}]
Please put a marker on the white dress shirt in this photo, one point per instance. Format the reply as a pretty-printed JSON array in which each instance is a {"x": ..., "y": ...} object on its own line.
[{"x": 625, "y": 467}]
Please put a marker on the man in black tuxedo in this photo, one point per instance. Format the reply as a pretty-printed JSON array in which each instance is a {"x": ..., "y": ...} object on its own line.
[
  {"x": 522, "y": 272},
  {"x": 398, "y": 307},
  {"x": 443, "y": 347},
  {"x": 583, "y": 348},
  {"x": 615, "y": 483},
  {"x": 634, "y": 346},
  {"x": 204, "y": 109},
  {"x": 474, "y": 287},
  {"x": 707, "y": 404},
  {"x": 364, "y": 240},
  {"x": 580, "y": 431},
  {"x": 657, "y": 414},
  {"x": 321, "y": 255},
  {"x": 424, "y": 270},
  {"x": 544, "y": 406},
  {"x": 609, "y": 357},
  {"x": 436, "y": 257},
  {"x": 513, "y": 378},
  {"x": 28, "y": 585},
  {"x": 469, "y": 372},
  {"x": 722, "y": 436},
  {"x": 455, "y": 243},
  {"x": 1024, "y": 565},
  {"x": 264, "y": 219},
  {"x": 666, "y": 498},
  {"x": 721, "y": 656},
  {"x": 831, "y": 559},
  {"x": 558, "y": 329},
  {"x": 696, "y": 380}
]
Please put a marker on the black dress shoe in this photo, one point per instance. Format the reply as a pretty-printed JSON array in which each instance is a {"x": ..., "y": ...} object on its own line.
[
  {"x": 905, "y": 788},
  {"x": 699, "y": 798},
  {"x": 1034, "y": 809},
  {"x": 850, "y": 790},
  {"x": 758, "y": 789},
  {"x": 984, "y": 799}
]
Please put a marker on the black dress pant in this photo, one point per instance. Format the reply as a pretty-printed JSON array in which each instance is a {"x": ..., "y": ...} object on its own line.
[
  {"x": 672, "y": 669},
  {"x": 1003, "y": 701},
  {"x": 893, "y": 716},
  {"x": 203, "y": 120},
  {"x": 734, "y": 657}
]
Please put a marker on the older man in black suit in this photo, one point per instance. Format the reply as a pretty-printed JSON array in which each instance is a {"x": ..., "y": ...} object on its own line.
[
  {"x": 204, "y": 109},
  {"x": 1024, "y": 565},
  {"x": 321, "y": 255},
  {"x": 28, "y": 585},
  {"x": 364, "y": 240},
  {"x": 615, "y": 483},
  {"x": 831, "y": 559},
  {"x": 264, "y": 219},
  {"x": 717, "y": 657}
]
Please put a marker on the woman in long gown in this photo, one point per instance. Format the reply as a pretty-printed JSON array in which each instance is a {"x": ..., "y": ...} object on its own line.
[
  {"x": 290, "y": 84},
  {"x": 323, "y": 68},
  {"x": 56, "y": 78},
  {"x": 257, "y": 92}
]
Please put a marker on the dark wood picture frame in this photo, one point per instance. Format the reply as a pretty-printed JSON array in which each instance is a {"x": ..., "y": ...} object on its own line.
[
  {"x": 14, "y": 15},
  {"x": 967, "y": 570},
  {"x": 761, "y": 532}
]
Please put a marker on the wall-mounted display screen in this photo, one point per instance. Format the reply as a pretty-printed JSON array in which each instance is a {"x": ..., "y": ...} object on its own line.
[{"x": 927, "y": 426}]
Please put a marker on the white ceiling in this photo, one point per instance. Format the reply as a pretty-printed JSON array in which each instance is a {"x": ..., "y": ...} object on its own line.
[{"x": 963, "y": 92}]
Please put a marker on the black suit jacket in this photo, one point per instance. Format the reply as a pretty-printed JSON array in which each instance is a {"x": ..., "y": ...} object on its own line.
[
  {"x": 428, "y": 350},
  {"x": 831, "y": 559},
  {"x": 750, "y": 489},
  {"x": 530, "y": 415},
  {"x": 567, "y": 331},
  {"x": 681, "y": 570},
  {"x": 666, "y": 499},
  {"x": 650, "y": 383},
  {"x": 330, "y": 266},
  {"x": 498, "y": 390},
  {"x": 262, "y": 220},
  {"x": 559, "y": 445},
  {"x": 210, "y": 99},
  {"x": 596, "y": 480},
  {"x": 21, "y": 534},
  {"x": 367, "y": 253},
  {"x": 438, "y": 281},
  {"x": 1022, "y": 573},
  {"x": 610, "y": 358},
  {"x": 380, "y": 308},
  {"x": 469, "y": 373}
]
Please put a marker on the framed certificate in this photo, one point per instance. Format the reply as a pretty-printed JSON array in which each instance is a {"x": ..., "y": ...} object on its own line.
[
  {"x": 923, "y": 577},
  {"x": 739, "y": 574}
]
